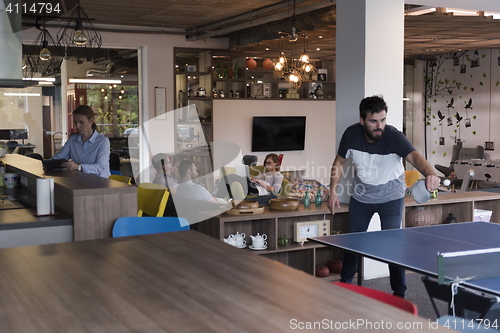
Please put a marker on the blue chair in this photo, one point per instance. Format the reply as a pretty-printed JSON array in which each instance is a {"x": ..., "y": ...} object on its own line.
[
  {"x": 133, "y": 226},
  {"x": 115, "y": 172}
]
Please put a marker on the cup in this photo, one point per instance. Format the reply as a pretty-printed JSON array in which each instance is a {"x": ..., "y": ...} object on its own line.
[
  {"x": 259, "y": 243},
  {"x": 10, "y": 180},
  {"x": 240, "y": 242}
]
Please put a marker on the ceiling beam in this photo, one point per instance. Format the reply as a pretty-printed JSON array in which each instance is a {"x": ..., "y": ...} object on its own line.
[{"x": 200, "y": 33}]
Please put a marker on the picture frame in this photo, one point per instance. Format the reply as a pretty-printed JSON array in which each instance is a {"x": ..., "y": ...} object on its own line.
[
  {"x": 441, "y": 140},
  {"x": 456, "y": 61},
  {"x": 449, "y": 121},
  {"x": 489, "y": 145},
  {"x": 160, "y": 101},
  {"x": 190, "y": 68},
  {"x": 474, "y": 62},
  {"x": 467, "y": 122},
  {"x": 463, "y": 69}
]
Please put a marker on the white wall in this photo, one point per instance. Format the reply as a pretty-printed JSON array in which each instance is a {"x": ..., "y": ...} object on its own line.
[{"x": 233, "y": 123}]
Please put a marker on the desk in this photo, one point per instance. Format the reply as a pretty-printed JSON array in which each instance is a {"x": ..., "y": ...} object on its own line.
[
  {"x": 416, "y": 249},
  {"x": 26, "y": 149},
  {"x": 94, "y": 203},
  {"x": 183, "y": 282}
]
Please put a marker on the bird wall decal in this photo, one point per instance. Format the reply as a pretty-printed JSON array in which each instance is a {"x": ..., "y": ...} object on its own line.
[
  {"x": 457, "y": 115},
  {"x": 440, "y": 115},
  {"x": 468, "y": 106},
  {"x": 450, "y": 105}
]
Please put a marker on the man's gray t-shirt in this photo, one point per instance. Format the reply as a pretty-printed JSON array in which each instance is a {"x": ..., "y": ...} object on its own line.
[{"x": 379, "y": 171}]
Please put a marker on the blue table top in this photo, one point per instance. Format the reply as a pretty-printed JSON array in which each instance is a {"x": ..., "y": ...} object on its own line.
[{"x": 416, "y": 248}]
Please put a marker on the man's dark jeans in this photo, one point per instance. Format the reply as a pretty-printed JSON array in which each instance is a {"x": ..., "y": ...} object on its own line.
[{"x": 360, "y": 215}]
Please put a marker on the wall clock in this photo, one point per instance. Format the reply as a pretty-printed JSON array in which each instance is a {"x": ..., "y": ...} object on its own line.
[{"x": 303, "y": 230}]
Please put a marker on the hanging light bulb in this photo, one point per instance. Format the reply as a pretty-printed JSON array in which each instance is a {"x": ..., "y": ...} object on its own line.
[
  {"x": 110, "y": 86},
  {"x": 79, "y": 38},
  {"x": 106, "y": 97},
  {"x": 122, "y": 91},
  {"x": 45, "y": 53},
  {"x": 103, "y": 90},
  {"x": 304, "y": 57},
  {"x": 120, "y": 96}
]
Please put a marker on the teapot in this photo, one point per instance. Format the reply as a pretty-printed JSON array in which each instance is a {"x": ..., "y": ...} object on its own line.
[
  {"x": 258, "y": 241},
  {"x": 230, "y": 240},
  {"x": 239, "y": 239}
]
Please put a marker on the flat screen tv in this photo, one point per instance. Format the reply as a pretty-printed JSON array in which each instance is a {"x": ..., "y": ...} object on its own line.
[{"x": 278, "y": 133}]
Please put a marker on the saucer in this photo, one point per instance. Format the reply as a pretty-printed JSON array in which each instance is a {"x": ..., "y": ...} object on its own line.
[
  {"x": 241, "y": 246},
  {"x": 257, "y": 248}
]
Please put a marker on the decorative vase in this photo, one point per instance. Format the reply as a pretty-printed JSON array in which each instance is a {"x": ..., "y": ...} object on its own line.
[
  {"x": 335, "y": 265},
  {"x": 251, "y": 63},
  {"x": 283, "y": 241},
  {"x": 419, "y": 217},
  {"x": 318, "y": 200},
  {"x": 307, "y": 200},
  {"x": 267, "y": 64},
  {"x": 322, "y": 271}
]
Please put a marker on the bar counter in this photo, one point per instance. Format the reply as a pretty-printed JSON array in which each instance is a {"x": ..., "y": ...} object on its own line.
[{"x": 94, "y": 203}]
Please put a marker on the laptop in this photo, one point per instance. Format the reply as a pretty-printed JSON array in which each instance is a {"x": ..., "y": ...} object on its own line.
[
  {"x": 53, "y": 164},
  {"x": 242, "y": 170}
]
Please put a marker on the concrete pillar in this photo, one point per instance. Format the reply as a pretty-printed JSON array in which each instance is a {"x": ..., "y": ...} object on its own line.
[{"x": 370, "y": 52}]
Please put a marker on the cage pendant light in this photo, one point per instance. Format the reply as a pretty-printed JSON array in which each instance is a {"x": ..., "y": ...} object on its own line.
[
  {"x": 79, "y": 36},
  {"x": 43, "y": 56},
  {"x": 280, "y": 63},
  {"x": 305, "y": 66}
]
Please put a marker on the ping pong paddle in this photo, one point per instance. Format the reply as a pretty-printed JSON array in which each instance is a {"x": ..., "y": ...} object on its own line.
[{"x": 420, "y": 193}]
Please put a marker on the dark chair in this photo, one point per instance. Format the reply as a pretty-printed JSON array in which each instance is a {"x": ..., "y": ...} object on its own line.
[
  {"x": 35, "y": 156},
  {"x": 134, "y": 226},
  {"x": 11, "y": 145},
  {"x": 114, "y": 161},
  {"x": 250, "y": 160}
]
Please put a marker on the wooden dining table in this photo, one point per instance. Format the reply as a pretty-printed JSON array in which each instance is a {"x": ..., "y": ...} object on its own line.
[{"x": 176, "y": 282}]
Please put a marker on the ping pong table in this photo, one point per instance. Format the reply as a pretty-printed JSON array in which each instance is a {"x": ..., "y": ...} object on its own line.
[{"x": 416, "y": 249}]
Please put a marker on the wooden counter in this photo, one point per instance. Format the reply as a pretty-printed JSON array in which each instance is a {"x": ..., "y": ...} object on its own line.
[
  {"x": 461, "y": 204},
  {"x": 306, "y": 257},
  {"x": 93, "y": 202}
]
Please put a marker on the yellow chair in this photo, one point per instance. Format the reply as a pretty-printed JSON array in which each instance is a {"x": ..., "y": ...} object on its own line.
[
  {"x": 152, "y": 199},
  {"x": 120, "y": 178},
  {"x": 411, "y": 176}
]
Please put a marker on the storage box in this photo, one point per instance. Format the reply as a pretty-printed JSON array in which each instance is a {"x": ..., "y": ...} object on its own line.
[{"x": 482, "y": 215}]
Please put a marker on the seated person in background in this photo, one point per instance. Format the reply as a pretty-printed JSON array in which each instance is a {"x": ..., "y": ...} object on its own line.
[
  {"x": 166, "y": 174},
  {"x": 266, "y": 184},
  {"x": 190, "y": 190},
  {"x": 88, "y": 151},
  {"x": 271, "y": 179}
]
